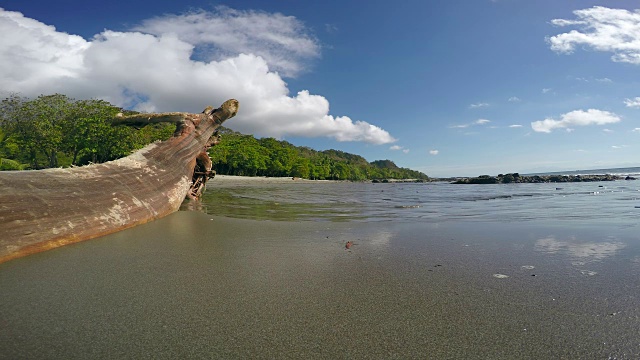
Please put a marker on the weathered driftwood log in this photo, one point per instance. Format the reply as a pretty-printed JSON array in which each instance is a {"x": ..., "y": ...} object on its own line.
[{"x": 45, "y": 209}]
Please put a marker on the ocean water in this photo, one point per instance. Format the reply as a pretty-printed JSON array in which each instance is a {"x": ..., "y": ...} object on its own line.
[
  {"x": 608, "y": 203},
  {"x": 628, "y": 171}
]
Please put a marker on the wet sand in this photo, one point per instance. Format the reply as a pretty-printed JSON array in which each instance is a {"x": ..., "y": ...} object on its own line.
[{"x": 196, "y": 286}]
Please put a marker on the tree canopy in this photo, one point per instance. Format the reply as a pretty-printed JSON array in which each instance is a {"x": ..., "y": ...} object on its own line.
[
  {"x": 239, "y": 154},
  {"x": 55, "y": 130}
]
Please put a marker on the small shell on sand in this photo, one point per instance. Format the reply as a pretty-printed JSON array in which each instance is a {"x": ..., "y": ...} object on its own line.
[
  {"x": 500, "y": 276},
  {"x": 588, "y": 272}
]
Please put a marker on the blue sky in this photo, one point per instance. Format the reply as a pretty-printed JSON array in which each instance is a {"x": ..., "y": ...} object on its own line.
[{"x": 447, "y": 87}]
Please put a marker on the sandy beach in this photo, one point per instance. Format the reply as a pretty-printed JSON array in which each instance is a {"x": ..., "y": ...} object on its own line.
[{"x": 192, "y": 285}]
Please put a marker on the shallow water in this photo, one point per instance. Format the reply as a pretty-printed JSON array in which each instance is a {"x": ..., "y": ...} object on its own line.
[
  {"x": 520, "y": 271},
  {"x": 616, "y": 203}
]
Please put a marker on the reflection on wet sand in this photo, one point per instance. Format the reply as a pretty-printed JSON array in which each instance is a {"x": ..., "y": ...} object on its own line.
[
  {"x": 591, "y": 251},
  {"x": 580, "y": 253},
  {"x": 379, "y": 239}
]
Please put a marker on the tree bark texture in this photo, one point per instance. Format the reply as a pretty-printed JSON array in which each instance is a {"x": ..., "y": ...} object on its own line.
[{"x": 45, "y": 209}]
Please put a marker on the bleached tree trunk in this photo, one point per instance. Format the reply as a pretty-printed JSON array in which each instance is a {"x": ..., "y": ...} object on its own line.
[{"x": 45, "y": 209}]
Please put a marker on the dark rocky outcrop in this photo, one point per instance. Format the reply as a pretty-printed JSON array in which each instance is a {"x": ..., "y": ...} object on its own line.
[{"x": 517, "y": 178}]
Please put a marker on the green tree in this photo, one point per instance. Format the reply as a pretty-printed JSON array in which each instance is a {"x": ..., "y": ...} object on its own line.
[
  {"x": 64, "y": 131},
  {"x": 340, "y": 171},
  {"x": 19, "y": 126},
  {"x": 281, "y": 157},
  {"x": 301, "y": 168},
  {"x": 247, "y": 157},
  {"x": 90, "y": 136},
  {"x": 52, "y": 114}
]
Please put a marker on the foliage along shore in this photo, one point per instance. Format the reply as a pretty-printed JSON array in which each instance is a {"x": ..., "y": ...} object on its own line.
[
  {"x": 517, "y": 178},
  {"x": 57, "y": 131},
  {"x": 239, "y": 154}
]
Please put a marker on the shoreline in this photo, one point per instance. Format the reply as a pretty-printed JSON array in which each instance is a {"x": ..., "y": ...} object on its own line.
[
  {"x": 225, "y": 179},
  {"x": 483, "y": 179}
]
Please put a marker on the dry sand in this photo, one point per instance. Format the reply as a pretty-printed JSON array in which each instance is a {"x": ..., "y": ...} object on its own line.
[{"x": 195, "y": 286}]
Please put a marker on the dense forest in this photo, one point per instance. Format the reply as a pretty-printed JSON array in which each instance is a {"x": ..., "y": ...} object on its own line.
[
  {"x": 58, "y": 131},
  {"x": 239, "y": 154}
]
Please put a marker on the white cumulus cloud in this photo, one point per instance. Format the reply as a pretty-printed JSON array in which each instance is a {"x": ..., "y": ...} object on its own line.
[
  {"x": 515, "y": 126},
  {"x": 398, "y": 147},
  {"x": 478, "y": 105},
  {"x": 632, "y": 103},
  {"x": 182, "y": 63},
  {"x": 434, "y": 152},
  {"x": 615, "y": 31},
  {"x": 477, "y": 122},
  {"x": 514, "y": 99},
  {"x": 281, "y": 40},
  {"x": 576, "y": 118}
]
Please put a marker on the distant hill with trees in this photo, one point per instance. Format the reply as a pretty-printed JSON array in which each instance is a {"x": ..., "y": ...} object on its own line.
[
  {"x": 239, "y": 154},
  {"x": 58, "y": 131}
]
